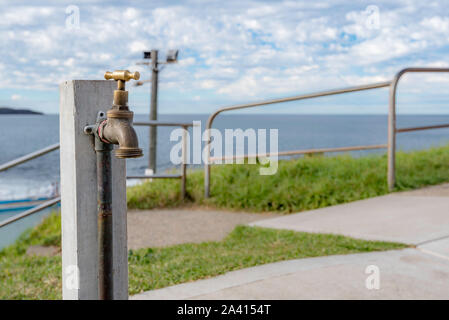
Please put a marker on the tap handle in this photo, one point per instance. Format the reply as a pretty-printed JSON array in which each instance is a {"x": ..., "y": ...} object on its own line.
[{"x": 123, "y": 75}]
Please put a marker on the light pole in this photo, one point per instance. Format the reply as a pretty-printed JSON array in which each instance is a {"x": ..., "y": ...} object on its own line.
[{"x": 172, "y": 57}]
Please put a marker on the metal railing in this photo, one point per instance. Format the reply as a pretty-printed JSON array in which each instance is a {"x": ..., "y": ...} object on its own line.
[
  {"x": 391, "y": 144},
  {"x": 295, "y": 152},
  {"x": 23, "y": 159},
  {"x": 183, "y": 174},
  {"x": 53, "y": 147},
  {"x": 393, "y": 130},
  {"x": 208, "y": 163},
  {"x": 31, "y": 211},
  {"x": 29, "y": 157}
]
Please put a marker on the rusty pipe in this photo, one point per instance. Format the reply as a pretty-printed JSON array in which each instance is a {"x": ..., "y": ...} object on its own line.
[{"x": 105, "y": 226}]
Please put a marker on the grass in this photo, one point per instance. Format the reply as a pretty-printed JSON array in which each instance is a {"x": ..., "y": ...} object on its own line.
[
  {"x": 31, "y": 277},
  {"x": 244, "y": 247},
  {"x": 300, "y": 184}
]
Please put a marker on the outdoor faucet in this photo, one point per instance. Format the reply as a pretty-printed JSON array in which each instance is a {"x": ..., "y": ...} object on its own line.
[
  {"x": 114, "y": 128},
  {"x": 118, "y": 128}
]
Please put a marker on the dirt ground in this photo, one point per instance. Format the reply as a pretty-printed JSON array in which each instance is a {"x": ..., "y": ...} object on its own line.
[{"x": 165, "y": 227}]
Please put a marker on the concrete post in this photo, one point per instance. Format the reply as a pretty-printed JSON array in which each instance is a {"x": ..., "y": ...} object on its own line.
[{"x": 80, "y": 101}]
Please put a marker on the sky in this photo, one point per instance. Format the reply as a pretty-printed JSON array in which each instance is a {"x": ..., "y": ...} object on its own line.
[{"x": 230, "y": 52}]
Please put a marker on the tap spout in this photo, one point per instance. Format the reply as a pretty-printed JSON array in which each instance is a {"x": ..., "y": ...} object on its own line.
[{"x": 118, "y": 129}]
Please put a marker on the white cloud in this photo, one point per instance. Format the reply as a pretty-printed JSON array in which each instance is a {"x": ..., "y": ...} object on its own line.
[
  {"x": 13, "y": 16},
  {"x": 235, "y": 50},
  {"x": 437, "y": 24},
  {"x": 16, "y": 97}
]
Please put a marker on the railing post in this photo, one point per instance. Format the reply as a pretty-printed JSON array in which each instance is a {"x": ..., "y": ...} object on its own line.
[
  {"x": 80, "y": 101},
  {"x": 207, "y": 165},
  {"x": 152, "y": 153},
  {"x": 184, "y": 162},
  {"x": 391, "y": 150}
]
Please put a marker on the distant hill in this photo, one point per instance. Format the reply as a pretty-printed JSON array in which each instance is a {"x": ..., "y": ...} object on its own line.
[{"x": 6, "y": 110}]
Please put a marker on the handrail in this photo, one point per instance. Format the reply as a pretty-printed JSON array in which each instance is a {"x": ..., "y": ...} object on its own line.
[
  {"x": 183, "y": 175},
  {"x": 306, "y": 151},
  {"x": 438, "y": 126},
  {"x": 273, "y": 101},
  {"x": 29, "y": 157},
  {"x": 157, "y": 176},
  {"x": 21, "y": 160},
  {"x": 157, "y": 123},
  {"x": 392, "y": 130},
  {"x": 29, "y": 212}
]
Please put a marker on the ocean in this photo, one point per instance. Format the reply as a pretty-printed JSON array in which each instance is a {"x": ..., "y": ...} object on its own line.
[{"x": 22, "y": 134}]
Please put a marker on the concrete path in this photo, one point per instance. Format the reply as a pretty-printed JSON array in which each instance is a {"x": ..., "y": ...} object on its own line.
[
  {"x": 405, "y": 274},
  {"x": 419, "y": 218},
  {"x": 399, "y": 218}
]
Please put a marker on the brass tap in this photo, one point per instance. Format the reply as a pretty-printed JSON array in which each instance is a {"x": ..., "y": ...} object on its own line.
[
  {"x": 121, "y": 76},
  {"x": 117, "y": 128}
]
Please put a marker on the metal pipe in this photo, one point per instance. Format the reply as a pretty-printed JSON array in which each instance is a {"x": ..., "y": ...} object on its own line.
[
  {"x": 307, "y": 151},
  {"x": 268, "y": 102},
  {"x": 31, "y": 211},
  {"x": 438, "y": 126},
  {"x": 163, "y": 124},
  {"x": 391, "y": 143},
  {"x": 156, "y": 176},
  {"x": 28, "y": 157},
  {"x": 153, "y": 112},
  {"x": 105, "y": 220},
  {"x": 184, "y": 162},
  {"x": 183, "y": 175},
  {"x": 391, "y": 150}
]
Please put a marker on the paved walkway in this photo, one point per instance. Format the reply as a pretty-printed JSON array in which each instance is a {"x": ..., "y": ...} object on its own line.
[
  {"x": 405, "y": 274},
  {"x": 407, "y": 219},
  {"x": 419, "y": 218}
]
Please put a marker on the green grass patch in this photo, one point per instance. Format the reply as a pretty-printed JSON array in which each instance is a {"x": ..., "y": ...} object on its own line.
[
  {"x": 31, "y": 277},
  {"x": 299, "y": 184},
  {"x": 244, "y": 247}
]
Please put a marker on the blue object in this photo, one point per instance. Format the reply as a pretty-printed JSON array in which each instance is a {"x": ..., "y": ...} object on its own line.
[{"x": 20, "y": 204}]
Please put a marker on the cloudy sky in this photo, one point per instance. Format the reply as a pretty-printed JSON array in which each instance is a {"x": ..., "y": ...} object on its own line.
[{"x": 230, "y": 51}]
